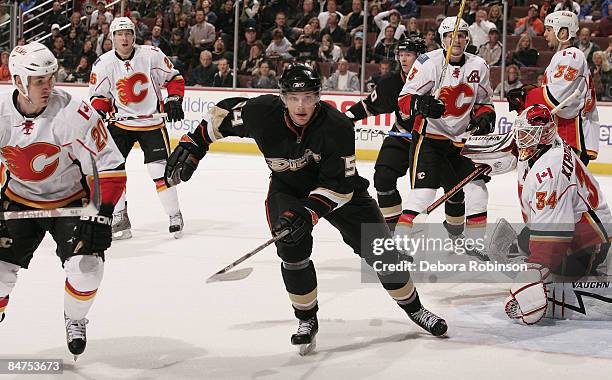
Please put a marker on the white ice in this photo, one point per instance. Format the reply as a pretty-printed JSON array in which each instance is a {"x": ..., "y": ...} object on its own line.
[{"x": 156, "y": 318}]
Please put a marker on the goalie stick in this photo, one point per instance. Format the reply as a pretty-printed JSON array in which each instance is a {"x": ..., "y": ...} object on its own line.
[{"x": 63, "y": 212}]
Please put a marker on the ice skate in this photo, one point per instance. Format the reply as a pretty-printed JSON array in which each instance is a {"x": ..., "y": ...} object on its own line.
[
  {"x": 435, "y": 325},
  {"x": 305, "y": 337},
  {"x": 176, "y": 225},
  {"x": 121, "y": 225},
  {"x": 75, "y": 335}
]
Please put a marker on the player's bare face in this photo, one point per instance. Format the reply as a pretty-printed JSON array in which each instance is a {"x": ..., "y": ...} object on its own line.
[
  {"x": 551, "y": 39},
  {"x": 301, "y": 106},
  {"x": 39, "y": 92},
  {"x": 459, "y": 44},
  {"x": 407, "y": 59},
  {"x": 124, "y": 42}
]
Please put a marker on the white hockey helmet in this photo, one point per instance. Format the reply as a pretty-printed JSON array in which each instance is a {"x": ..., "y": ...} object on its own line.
[
  {"x": 448, "y": 25},
  {"x": 31, "y": 60},
  {"x": 121, "y": 23},
  {"x": 533, "y": 128},
  {"x": 563, "y": 19}
]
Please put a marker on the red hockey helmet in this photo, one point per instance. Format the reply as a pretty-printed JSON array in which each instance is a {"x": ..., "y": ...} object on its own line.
[{"x": 534, "y": 127}]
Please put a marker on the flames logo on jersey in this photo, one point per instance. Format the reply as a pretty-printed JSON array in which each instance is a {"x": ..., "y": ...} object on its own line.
[
  {"x": 126, "y": 88},
  {"x": 450, "y": 95},
  {"x": 34, "y": 162}
]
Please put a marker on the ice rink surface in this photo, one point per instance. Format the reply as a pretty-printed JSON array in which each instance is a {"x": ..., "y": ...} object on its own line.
[{"x": 156, "y": 318}]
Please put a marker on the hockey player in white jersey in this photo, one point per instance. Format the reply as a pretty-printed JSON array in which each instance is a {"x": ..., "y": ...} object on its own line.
[
  {"x": 565, "y": 210},
  {"x": 127, "y": 81},
  {"x": 47, "y": 139},
  {"x": 464, "y": 107}
]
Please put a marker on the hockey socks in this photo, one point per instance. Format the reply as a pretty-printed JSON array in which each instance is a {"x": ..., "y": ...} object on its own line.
[
  {"x": 301, "y": 283},
  {"x": 83, "y": 277}
]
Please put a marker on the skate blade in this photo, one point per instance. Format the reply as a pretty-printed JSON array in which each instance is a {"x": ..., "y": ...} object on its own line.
[
  {"x": 75, "y": 357},
  {"x": 305, "y": 349},
  {"x": 234, "y": 275},
  {"x": 122, "y": 235}
]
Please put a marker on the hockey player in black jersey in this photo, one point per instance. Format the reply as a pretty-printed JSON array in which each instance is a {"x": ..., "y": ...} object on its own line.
[
  {"x": 392, "y": 161},
  {"x": 310, "y": 148}
]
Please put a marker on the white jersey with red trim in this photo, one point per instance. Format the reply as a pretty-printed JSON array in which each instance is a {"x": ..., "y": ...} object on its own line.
[
  {"x": 558, "y": 194},
  {"x": 133, "y": 86},
  {"x": 464, "y": 88},
  {"x": 40, "y": 152},
  {"x": 567, "y": 71}
]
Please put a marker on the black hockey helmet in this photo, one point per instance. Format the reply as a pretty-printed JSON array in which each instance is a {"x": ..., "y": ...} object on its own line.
[
  {"x": 415, "y": 44},
  {"x": 300, "y": 78}
]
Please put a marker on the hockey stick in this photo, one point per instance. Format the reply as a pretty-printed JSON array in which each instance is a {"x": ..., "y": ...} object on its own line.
[
  {"x": 225, "y": 274},
  {"x": 450, "y": 48},
  {"x": 137, "y": 117},
  {"x": 558, "y": 108},
  {"x": 63, "y": 212},
  {"x": 407, "y": 135}
]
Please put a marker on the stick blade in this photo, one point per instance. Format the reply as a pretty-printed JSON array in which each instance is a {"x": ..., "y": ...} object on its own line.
[{"x": 234, "y": 275}]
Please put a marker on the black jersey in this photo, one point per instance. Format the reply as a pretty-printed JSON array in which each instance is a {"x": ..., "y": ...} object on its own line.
[
  {"x": 383, "y": 99},
  {"x": 317, "y": 162}
]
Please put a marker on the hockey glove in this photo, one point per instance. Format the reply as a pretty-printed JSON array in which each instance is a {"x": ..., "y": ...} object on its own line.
[
  {"x": 483, "y": 124},
  {"x": 5, "y": 238},
  {"x": 93, "y": 233},
  {"x": 299, "y": 222},
  {"x": 517, "y": 96},
  {"x": 428, "y": 106},
  {"x": 174, "y": 108},
  {"x": 183, "y": 161}
]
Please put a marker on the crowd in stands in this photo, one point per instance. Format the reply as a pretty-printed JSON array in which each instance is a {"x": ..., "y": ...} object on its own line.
[{"x": 198, "y": 36}]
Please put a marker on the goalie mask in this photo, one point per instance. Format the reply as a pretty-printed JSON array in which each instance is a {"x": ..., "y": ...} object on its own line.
[
  {"x": 533, "y": 129},
  {"x": 31, "y": 60}
]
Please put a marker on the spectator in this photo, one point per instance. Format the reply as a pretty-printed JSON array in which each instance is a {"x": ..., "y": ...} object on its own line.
[
  {"x": 26, "y": 5},
  {"x": 225, "y": 18},
  {"x": 223, "y": 77},
  {"x": 173, "y": 17},
  {"x": 73, "y": 43},
  {"x": 373, "y": 11},
  {"x": 394, "y": 21},
  {"x": 406, "y": 8},
  {"x": 605, "y": 10},
  {"x": 316, "y": 28},
  {"x": 513, "y": 80},
  {"x": 75, "y": 23},
  {"x": 264, "y": 77},
  {"x": 186, "y": 6},
  {"x": 605, "y": 24},
  {"x": 204, "y": 73},
  {"x": 545, "y": 9},
  {"x": 331, "y": 9},
  {"x": 306, "y": 45},
  {"x": 280, "y": 22},
  {"x": 250, "y": 39},
  {"x": 255, "y": 57},
  {"x": 180, "y": 52},
  {"x": 342, "y": 79},
  {"x": 328, "y": 51},
  {"x": 81, "y": 72},
  {"x": 412, "y": 30},
  {"x": 584, "y": 43},
  {"x": 100, "y": 10},
  {"x": 337, "y": 34},
  {"x": 183, "y": 27},
  {"x": 385, "y": 49},
  {"x": 524, "y": 54},
  {"x": 63, "y": 55},
  {"x": 89, "y": 52},
  {"x": 249, "y": 12},
  {"x": 439, "y": 19},
  {"x": 307, "y": 13},
  {"x": 279, "y": 47},
  {"x": 147, "y": 8},
  {"x": 567, "y": 5},
  {"x": 383, "y": 69},
  {"x": 104, "y": 35},
  {"x": 56, "y": 16},
  {"x": 220, "y": 52},
  {"x": 602, "y": 76},
  {"x": 430, "y": 40},
  {"x": 479, "y": 30},
  {"x": 202, "y": 35},
  {"x": 608, "y": 51},
  {"x": 496, "y": 17},
  {"x": 209, "y": 14},
  {"x": 55, "y": 32},
  {"x": 159, "y": 41},
  {"x": 585, "y": 9},
  {"x": 530, "y": 24},
  {"x": 470, "y": 14},
  {"x": 353, "y": 22},
  {"x": 142, "y": 30},
  {"x": 491, "y": 51},
  {"x": 353, "y": 54},
  {"x": 5, "y": 74}
]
